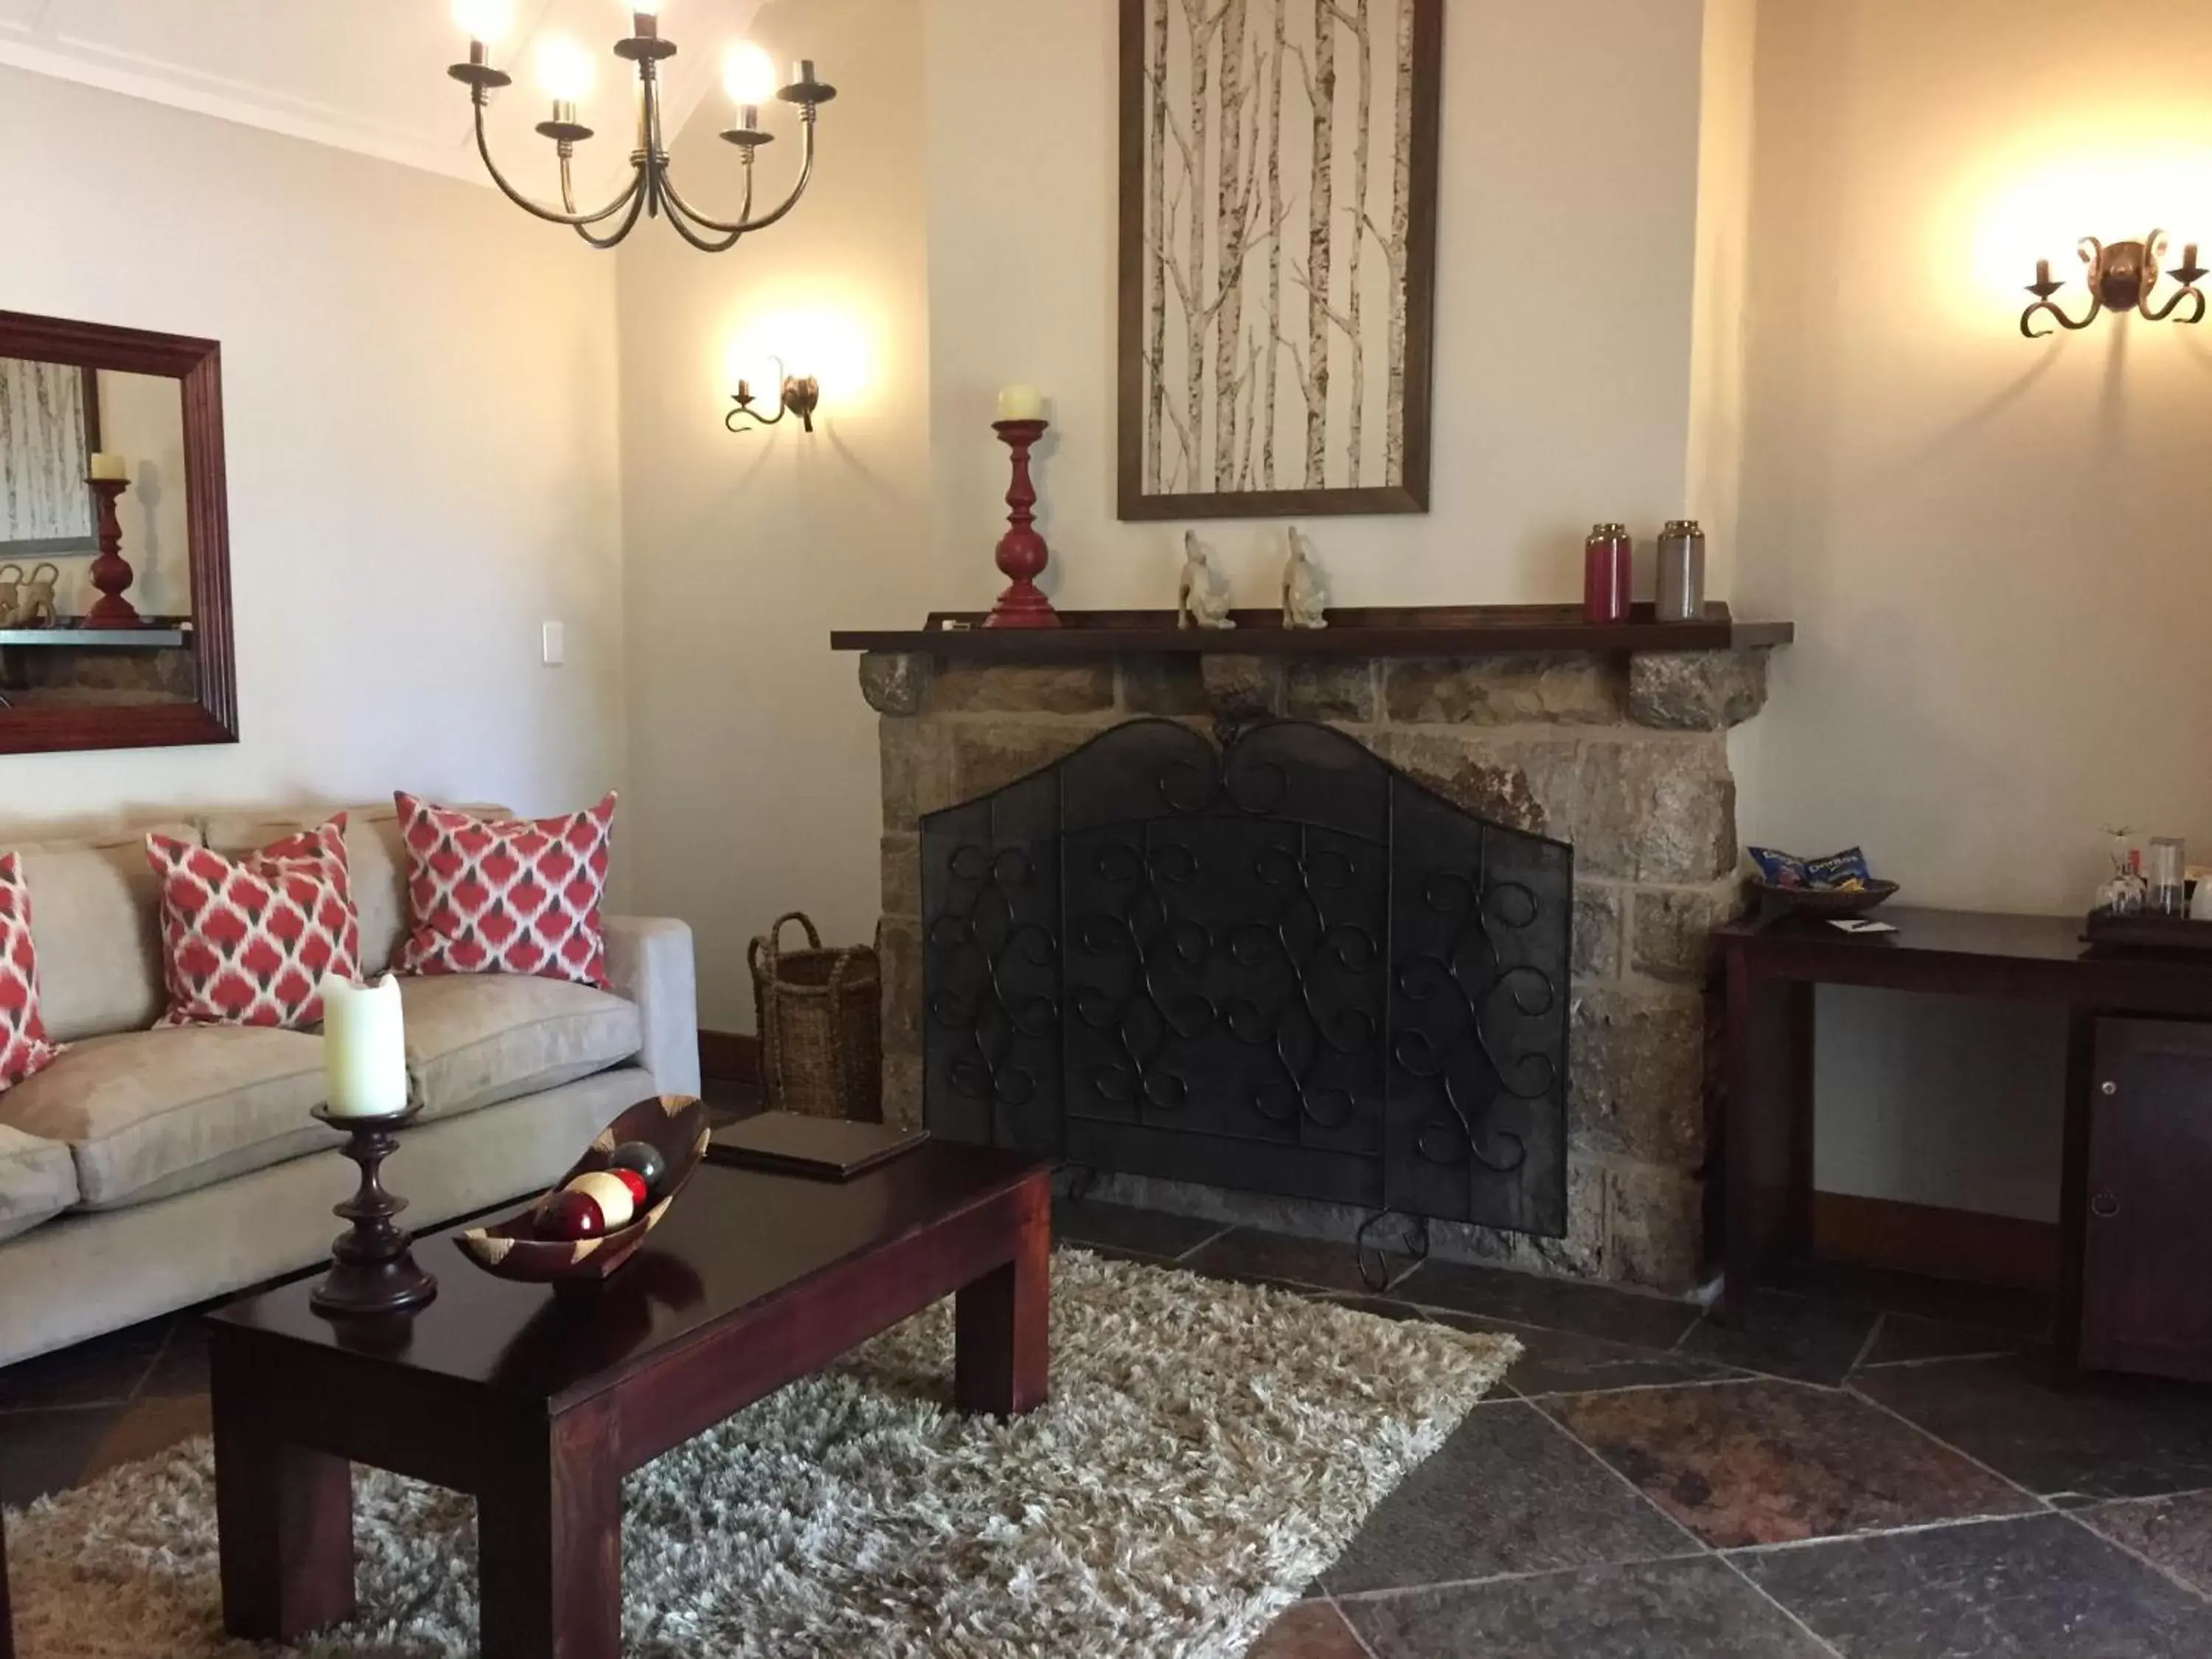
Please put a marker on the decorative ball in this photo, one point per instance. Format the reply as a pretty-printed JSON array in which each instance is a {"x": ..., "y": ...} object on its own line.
[
  {"x": 645, "y": 1159},
  {"x": 635, "y": 1182},
  {"x": 607, "y": 1191},
  {"x": 567, "y": 1215}
]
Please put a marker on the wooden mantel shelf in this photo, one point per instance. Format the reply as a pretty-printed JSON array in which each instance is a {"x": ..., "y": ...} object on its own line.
[{"x": 1419, "y": 631}]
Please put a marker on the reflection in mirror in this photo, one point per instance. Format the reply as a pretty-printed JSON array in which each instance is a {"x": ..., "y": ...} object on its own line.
[{"x": 96, "y": 566}]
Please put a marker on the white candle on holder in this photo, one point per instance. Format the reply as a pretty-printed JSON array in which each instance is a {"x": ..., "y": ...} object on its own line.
[
  {"x": 364, "y": 1047},
  {"x": 105, "y": 465},
  {"x": 1020, "y": 402}
]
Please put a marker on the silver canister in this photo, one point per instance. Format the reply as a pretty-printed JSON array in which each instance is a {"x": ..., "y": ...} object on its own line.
[{"x": 1681, "y": 571}]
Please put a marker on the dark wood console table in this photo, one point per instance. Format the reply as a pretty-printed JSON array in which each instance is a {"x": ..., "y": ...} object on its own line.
[{"x": 2135, "y": 1272}]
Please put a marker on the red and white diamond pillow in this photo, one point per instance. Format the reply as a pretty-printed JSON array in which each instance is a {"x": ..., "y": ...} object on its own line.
[
  {"x": 24, "y": 1049},
  {"x": 246, "y": 940},
  {"x": 519, "y": 897}
]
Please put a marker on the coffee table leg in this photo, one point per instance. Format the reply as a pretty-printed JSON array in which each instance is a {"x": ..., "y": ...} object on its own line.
[
  {"x": 1002, "y": 1340},
  {"x": 284, "y": 1519},
  {"x": 549, "y": 1544}
]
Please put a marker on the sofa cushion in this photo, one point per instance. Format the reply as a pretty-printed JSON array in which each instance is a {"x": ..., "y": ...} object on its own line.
[
  {"x": 37, "y": 1180},
  {"x": 146, "y": 1114},
  {"x": 492, "y": 896},
  {"x": 376, "y": 864},
  {"x": 95, "y": 916},
  {"x": 474, "y": 1039}
]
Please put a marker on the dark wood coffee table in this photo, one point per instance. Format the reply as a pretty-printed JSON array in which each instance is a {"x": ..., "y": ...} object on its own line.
[{"x": 538, "y": 1404}]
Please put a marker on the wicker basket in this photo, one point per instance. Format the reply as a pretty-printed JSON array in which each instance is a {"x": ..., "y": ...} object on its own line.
[{"x": 820, "y": 1020}]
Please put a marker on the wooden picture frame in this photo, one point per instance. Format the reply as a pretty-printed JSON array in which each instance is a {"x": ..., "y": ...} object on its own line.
[
  {"x": 197, "y": 365},
  {"x": 1384, "y": 61}
]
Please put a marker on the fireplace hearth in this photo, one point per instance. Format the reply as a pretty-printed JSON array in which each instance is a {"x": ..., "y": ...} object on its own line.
[
  {"x": 1078, "y": 855},
  {"x": 1284, "y": 966}
]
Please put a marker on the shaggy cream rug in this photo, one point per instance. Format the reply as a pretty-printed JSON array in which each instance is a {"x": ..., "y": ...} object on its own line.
[{"x": 1207, "y": 1450}]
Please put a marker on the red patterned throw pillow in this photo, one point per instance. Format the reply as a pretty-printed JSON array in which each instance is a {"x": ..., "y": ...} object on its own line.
[
  {"x": 505, "y": 897},
  {"x": 246, "y": 940},
  {"x": 24, "y": 1049}
]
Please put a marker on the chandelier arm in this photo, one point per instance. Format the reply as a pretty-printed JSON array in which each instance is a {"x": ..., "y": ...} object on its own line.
[
  {"x": 744, "y": 223},
  {"x": 549, "y": 214},
  {"x": 628, "y": 223},
  {"x": 688, "y": 225}
]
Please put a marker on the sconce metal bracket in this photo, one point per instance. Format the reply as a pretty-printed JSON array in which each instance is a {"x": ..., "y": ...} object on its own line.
[
  {"x": 2120, "y": 276},
  {"x": 799, "y": 395}
]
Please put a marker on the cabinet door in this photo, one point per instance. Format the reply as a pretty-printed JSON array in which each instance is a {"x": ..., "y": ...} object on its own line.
[{"x": 2146, "y": 1270}]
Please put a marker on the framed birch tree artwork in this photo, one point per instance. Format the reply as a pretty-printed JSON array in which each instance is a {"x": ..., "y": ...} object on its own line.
[
  {"x": 1278, "y": 256},
  {"x": 49, "y": 427}
]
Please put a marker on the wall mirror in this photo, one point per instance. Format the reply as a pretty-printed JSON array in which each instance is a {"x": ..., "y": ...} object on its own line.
[{"x": 115, "y": 627}]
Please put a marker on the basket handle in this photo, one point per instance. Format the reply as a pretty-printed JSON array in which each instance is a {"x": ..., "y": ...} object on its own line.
[{"x": 776, "y": 933}]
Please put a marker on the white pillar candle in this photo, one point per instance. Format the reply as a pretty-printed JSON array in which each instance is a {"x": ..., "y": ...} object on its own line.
[
  {"x": 105, "y": 465},
  {"x": 1020, "y": 402},
  {"x": 364, "y": 1047}
]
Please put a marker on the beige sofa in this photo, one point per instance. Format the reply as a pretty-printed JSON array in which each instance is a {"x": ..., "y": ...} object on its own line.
[{"x": 147, "y": 1170}]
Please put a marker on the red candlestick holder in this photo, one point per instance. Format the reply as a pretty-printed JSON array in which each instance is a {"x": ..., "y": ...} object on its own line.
[
  {"x": 1021, "y": 551},
  {"x": 109, "y": 572}
]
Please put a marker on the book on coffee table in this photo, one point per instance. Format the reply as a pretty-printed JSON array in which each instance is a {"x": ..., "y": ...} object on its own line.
[{"x": 824, "y": 1148}]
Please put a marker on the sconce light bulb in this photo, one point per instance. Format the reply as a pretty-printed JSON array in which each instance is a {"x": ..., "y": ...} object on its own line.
[
  {"x": 485, "y": 21},
  {"x": 565, "y": 71},
  {"x": 748, "y": 74}
]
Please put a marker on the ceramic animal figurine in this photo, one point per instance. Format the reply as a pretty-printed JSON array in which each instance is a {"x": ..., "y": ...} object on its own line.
[
  {"x": 1202, "y": 599},
  {"x": 35, "y": 609},
  {"x": 1304, "y": 604},
  {"x": 11, "y": 588}
]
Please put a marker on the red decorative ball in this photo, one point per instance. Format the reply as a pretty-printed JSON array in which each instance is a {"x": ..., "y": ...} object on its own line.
[
  {"x": 570, "y": 1215},
  {"x": 635, "y": 1182}
]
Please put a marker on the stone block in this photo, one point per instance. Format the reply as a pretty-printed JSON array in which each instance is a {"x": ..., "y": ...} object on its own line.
[
  {"x": 1670, "y": 929},
  {"x": 1242, "y": 690},
  {"x": 902, "y": 1075},
  {"x": 898, "y": 944},
  {"x": 989, "y": 755},
  {"x": 1330, "y": 688},
  {"x": 1580, "y": 1255},
  {"x": 1656, "y": 810},
  {"x": 1166, "y": 685},
  {"x": 975, "y": 688},
  {"x": 1636, "y": 1078},
  {"x": 1696, "y": 690},
  {"x": 1527, "y": 784},
  {"x": 895, "y": 681},
  {"x": 1573, "y": 688},
  {"x": 1655, "y": 1225},
  {"x": 917, "y": 770},
  {"x": 902, "y": 874},
  {"x": 1597, "y": 931}
]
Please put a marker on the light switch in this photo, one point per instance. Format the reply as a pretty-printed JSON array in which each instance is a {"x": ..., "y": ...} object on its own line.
[{"x": 557, "y": 644}]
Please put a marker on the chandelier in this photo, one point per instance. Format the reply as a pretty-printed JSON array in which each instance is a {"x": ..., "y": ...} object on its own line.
[{"x": 565, "y": 71}]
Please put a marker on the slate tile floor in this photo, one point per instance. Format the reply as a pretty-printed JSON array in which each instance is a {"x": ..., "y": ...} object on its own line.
[{"x": 1866, "y": 1465}]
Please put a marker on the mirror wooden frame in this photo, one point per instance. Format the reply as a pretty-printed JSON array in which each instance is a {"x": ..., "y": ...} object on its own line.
[{"x": 197, "y": 365}]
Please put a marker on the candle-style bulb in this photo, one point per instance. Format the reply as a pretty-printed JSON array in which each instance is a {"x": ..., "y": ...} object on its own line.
[
  {"x": 748, "y": 76},
  {"x": 485, "y": 22},
  {"x": 565, "y": 71}
]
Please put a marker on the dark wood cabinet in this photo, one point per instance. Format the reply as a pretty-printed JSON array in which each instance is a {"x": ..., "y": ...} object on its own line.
[{"x": 2147, "y": 1225}]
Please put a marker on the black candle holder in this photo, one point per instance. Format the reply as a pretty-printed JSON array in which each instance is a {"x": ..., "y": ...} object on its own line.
[{"x": 373, "y": 1270}]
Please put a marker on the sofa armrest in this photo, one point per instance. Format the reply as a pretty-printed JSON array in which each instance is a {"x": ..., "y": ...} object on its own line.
[{"x": 649, "y": 959}]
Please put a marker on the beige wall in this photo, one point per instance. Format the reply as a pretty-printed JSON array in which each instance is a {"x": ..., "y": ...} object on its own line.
[
  {"x": 1995, "y": 549},
  {"x": 420, "y": 419},
  {"x": 1569, "y": 195},
  {"x": 754, "y": 756}
]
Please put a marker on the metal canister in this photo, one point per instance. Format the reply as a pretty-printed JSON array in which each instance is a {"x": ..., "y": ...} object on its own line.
[
  {"x": 1607, "y": 569},
  {"x": 1681, "y": 571}
]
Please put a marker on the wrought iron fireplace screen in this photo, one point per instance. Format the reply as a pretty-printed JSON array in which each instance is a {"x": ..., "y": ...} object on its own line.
[{"x": 1284, "y": 966}]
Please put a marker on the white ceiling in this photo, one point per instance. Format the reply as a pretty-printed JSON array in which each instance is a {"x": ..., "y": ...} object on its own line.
[{"x": 370, "y": 75}]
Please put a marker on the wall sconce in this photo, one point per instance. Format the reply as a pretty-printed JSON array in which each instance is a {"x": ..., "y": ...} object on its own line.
[
  {"x": 2120, "y": 278},
  {"x": 798, "y": 396}
]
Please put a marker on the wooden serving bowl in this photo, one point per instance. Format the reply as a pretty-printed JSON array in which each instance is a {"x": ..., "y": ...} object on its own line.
[{"x": 675, "y": 1126}]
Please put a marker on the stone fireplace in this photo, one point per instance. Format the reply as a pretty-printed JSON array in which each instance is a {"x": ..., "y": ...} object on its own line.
[{"x": 1621, "y": 755}]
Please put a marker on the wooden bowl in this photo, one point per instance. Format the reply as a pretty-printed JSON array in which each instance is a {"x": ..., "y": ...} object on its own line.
[
  {"x": 1823, "y": 901},
  {"x": 675, "y": 1126}
]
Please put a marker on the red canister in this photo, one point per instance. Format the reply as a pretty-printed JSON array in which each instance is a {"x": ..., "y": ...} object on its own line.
[{"x": 1608, "y": 573}]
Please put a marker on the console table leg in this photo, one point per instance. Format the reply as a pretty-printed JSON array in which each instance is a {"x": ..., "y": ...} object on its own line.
[
  {"x": 1001, "y": 1335},
  {"x": 7, "y": 1623},
  {"x": 283, "y": 1518},
  {"x": 549, "y": 1545},
  {"x": 1767, "y": 1136}
]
